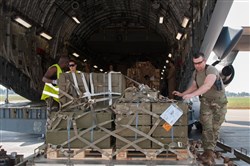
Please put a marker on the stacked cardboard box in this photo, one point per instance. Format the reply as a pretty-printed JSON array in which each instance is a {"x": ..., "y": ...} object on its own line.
[{"x": 144, "y": 73}]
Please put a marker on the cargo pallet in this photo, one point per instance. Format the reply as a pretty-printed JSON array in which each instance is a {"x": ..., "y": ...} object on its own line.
[{"x": 131, "y": 131}]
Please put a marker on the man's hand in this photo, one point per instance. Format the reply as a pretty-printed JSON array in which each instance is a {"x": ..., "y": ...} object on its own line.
[
  {"x": 187, "y": 96},
  {"x": 176, "y": 93},
  {"x": 54, "y": 82}
]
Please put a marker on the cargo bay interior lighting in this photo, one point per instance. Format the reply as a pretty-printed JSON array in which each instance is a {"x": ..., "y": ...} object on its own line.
[
  {"x": 22, "y": 22},
  {"x": 46, "y": 36},
  {"x": 161, "y": 20},
  {"x": 76, "y": 55},
  {"x": 185, "y": 36},
  {"x": 178, "y": 36},
  {"x": 76, "y": 20},
  {"x": 185, "y": 22}
]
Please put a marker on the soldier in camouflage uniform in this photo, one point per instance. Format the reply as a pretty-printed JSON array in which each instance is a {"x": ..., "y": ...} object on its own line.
[{"x": 207, "y": 84}]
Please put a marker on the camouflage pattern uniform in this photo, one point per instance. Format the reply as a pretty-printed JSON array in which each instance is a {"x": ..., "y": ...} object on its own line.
[{"x": 212, "y": 110}]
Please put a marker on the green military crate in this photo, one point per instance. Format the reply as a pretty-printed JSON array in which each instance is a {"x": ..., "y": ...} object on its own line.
[
  {"x": 160, "y": 107},
  {"x": 61, "y": 138},
  {"x": 125, "y": 111},
  {"x": 111, "y": 82},
  {"x": 182, "y": 121},
  {"x": 106, "y": 88},
  {"x": 130, "y": 133},
  {"x": 168, "y": 140},
  {"x": 178, "y": 131},
  {"x": 71, "y": 88},
  {"x": 131, "y": 108},
  {"x": 145, "y": 144},
  {"x": 140, "y": 120},
  {"x": 82, "y": 119}
]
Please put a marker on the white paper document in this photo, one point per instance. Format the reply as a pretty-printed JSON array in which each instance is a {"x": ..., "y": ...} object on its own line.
[{"x": 171, "y": 114}]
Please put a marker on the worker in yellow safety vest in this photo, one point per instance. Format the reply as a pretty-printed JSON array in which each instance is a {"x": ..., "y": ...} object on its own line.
[{"x": 51, "y": 90}]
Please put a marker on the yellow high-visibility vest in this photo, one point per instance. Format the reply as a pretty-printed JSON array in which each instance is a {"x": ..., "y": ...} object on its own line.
[{"x": 50, "y": 90}]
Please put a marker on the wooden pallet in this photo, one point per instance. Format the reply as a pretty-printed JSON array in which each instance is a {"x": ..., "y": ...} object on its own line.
[
  {"x": 77, "y": 154},
  {"x": 131, "y": 154}
]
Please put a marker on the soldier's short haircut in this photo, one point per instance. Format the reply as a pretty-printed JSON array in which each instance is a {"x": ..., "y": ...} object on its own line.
[
  {"x": 64, "y": 59},
  {"x": 199, "y": 54}
]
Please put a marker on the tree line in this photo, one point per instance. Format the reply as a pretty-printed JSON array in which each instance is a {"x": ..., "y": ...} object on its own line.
[
  {"x": 3, "y": 91},
  {"x": 239, "y": 94}
]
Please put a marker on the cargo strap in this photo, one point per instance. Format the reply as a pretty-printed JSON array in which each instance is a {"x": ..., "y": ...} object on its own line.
[
  {"x": 76, "y": 84},
  {"x": 93, "y": 143},
  {"x": 145, "y": 136},
  {"x": 113, "y": 133},
  {"x": 110, "y": 91},
  {"x": 87, "y": 93},
  {"x": 59, "y": 119},
  {"x": 89, "y": 144},
  {"x": 75, "y": 127},
  {"x": 62, "y": 93},
  {"x": 73, "y": 102},
  {"x": 136, "y": 121},
  {"x": 80, "y": 101},
  {"x": 91, "y": 83},
  {"x": 69, "y": 121},
  {"x": 110, "y": 87},
  {"x": 94, "y": 121}
]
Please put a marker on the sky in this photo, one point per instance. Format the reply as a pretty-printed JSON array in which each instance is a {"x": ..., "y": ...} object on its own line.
[{"x": 239, "y": 15}]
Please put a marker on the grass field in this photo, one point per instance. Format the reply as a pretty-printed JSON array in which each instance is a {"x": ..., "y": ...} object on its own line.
[{"x": 238, "y": 103}]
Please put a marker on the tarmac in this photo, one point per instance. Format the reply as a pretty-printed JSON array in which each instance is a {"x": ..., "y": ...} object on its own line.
[{"x": 235, "y": 132}]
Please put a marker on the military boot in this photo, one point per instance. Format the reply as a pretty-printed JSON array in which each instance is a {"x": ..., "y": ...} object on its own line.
[
  {"x": 207, "y": 157},
  {"x": 203, "y": 155},
  {"x": 211, "y": 155}
]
